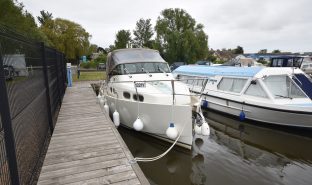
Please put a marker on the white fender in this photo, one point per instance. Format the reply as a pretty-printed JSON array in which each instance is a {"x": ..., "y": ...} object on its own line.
[
  {"x": 205, "y": 130},
  {"x": 106, "y": 108},
  {"x": 116, "y": 118},
  {"x": 138, "y": 124},
  {"x": 172, "y": 131},
  {"x": 197, "y": 129}
]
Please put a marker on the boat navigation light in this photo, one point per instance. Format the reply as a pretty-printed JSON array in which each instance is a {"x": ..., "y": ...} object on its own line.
[
  {"x": 172, "y": 131},
  {"x": 138, "y": 124},
  {"x": 116, "y": 118}
]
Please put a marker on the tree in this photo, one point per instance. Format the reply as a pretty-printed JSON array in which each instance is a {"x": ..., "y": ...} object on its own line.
[
  {"x": 179, "y": 38},
  {"x": 14, "y": 16},
  {"x": 263, "y": 51},
  {"x": 44, "y": 17},
  {"x": 143, "y": 33},
  {"x": 123, "y": 39},
  {"x": 276, "y": 51},
  {"x": 239, "y": 50},
  {"x": 68, "y": 37}
]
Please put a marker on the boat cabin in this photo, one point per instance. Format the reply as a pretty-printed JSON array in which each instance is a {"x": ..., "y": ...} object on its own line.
[
  {"x": 286, "y": 61},
  {"x": 268, "y": 83}
]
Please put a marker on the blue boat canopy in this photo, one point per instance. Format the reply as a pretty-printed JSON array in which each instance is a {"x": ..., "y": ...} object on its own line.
[{"x": 196, "y": 70}]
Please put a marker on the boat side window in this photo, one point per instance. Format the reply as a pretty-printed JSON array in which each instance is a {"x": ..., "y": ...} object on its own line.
[
  {"x": 232, "y": 84},
  {"x": 281, "y": 86},
  {"x": 255, "y": 89}
]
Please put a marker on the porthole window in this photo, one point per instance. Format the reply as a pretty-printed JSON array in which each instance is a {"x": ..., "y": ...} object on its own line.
[
  {"x": 126, "y": 95},
  {"x": 141, "y": 98}
]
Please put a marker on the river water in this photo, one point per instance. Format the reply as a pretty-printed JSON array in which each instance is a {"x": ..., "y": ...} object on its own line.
[{"x": 235, "y": 153}]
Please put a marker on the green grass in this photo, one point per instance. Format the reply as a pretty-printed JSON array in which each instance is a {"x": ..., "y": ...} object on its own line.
[{"x": 90, "y": 76}]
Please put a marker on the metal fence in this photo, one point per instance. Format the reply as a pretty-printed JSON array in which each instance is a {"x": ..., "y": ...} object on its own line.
[{"x": 32, "y": 85}]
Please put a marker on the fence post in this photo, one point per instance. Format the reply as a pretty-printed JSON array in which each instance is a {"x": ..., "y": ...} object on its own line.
[
  {"x": 46, "y": 82},
  {"x": 57, "y": 77},
  {"x": 7, "y": 127},
  {"x": 64, "y": 71}
]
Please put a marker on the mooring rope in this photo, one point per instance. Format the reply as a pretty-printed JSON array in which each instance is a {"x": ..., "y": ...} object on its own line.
[{"x": 150, "y": 159}]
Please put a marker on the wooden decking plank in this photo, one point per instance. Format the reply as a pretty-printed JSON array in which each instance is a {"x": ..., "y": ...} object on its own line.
[
  {"x": 127, "y": 178},
  {"x": 80, "y": 156},
  {"x": 86, "y": 175},
  {"x": 85, "y": 147}
]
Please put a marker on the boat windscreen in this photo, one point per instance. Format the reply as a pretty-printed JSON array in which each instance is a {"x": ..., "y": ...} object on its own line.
[
  {"x": 142, "y": 67},
  {"x": 281, "y": 86},
  {"x": 305, "y": 83}
]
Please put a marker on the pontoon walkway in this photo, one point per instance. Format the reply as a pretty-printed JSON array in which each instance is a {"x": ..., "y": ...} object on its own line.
[{"x": 85, "y": 147}]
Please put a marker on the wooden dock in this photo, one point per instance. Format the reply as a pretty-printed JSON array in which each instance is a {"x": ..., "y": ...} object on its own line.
[{"x": 85, "y": 147}]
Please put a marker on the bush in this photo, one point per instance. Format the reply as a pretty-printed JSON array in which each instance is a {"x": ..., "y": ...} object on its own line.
[{"x": 88, "y": 65}]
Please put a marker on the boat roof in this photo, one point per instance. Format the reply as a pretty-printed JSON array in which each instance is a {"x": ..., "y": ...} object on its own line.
[
  {"x": 132, "y": 55},
  {"x": 197, "y": 70}
]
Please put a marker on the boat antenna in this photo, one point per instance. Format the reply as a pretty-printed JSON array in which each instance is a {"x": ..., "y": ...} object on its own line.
[
  {"x": 146, "y": 72},
  {"x": 173, "y": 97},
  {"x": 128, "y": 73}
]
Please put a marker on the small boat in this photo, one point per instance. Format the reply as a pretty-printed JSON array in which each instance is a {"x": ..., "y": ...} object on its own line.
[
  {"x": 141, "y": 87},
  {"x": 272, "y": 95}
]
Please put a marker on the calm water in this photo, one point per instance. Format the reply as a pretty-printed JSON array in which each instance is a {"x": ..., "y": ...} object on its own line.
[{"x": 235, "y": 153}]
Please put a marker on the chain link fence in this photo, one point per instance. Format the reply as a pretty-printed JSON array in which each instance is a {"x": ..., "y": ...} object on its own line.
[{"x": 32, "y": 86}]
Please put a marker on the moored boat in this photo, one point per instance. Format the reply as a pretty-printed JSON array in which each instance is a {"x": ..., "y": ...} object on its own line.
[
  {"x": 279, "y": 96},
  {"x": 141, "y": 87}
]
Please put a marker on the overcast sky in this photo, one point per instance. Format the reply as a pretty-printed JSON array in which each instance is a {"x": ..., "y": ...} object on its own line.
[{"x": 252, "y": 24}]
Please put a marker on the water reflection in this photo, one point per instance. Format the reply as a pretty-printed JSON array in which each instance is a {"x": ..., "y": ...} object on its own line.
[{"x": 234, "y": 153}]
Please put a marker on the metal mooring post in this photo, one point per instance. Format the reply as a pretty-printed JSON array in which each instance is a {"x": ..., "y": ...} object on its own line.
[
  {"x": 7, "y": 127},
  {"x": 46, "y": 82}
]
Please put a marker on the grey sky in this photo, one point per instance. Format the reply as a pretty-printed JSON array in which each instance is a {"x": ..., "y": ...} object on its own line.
[{"x": 253, "y": 24}]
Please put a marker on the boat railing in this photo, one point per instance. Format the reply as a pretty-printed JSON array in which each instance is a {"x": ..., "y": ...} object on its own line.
[{"x": 104, "y": 85}]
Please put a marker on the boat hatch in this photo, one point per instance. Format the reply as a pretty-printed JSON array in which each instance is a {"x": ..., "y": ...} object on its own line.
[{"x": 304, "y": 83}]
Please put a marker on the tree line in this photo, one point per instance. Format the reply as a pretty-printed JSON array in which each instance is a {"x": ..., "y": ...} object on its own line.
[
  {"x": 64, "y": 35},
  {"x": 177, "y": 36}
]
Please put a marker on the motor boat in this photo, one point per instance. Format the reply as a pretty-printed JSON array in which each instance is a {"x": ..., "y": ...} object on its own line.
[
  {"x": 140, "y": 87},
  {"x": 271, "y": 95}
]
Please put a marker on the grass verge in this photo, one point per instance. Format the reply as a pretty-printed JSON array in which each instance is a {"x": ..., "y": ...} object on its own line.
[{"x": 90, "y": 76}]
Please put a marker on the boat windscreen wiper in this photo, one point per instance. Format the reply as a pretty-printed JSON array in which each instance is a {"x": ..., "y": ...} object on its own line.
[
  {"x": 278, "y": 95},
  {"x": 128, "y": 73},
  {"x": 146, "y": 72},
  {"x": 160, "y": 69}
]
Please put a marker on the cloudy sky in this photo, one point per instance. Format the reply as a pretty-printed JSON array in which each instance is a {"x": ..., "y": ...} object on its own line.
[{"x": 252, "y": 24}]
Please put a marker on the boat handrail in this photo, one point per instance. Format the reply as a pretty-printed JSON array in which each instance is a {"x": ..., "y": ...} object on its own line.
[{"x": 175, "y": 80}]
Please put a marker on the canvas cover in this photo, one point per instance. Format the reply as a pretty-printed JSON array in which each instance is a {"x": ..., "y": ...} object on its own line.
[{"x": 133, "y": 55}]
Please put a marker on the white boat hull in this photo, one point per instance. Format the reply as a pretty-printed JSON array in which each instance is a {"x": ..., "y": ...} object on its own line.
[
  {"x": 285, "y": 117},
  {"x": 156, "y": 118}
]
